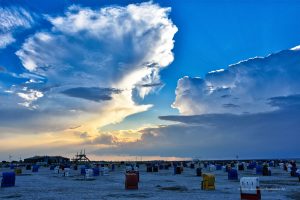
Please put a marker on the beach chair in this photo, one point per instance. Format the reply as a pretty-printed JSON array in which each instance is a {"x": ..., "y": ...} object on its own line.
[
  {"x": 155, "y": 168},
  {"x": 208, "y": 182},
  {"x": 199, "y": 171},
  {"x": 241, "y": 167},
  {"x": 249, "y": 188},
  {"x": 8, "y": 179},
  {"x": 104, "y": 171},
  {"x": 212, "y": 168},
  {"x": 96, "y": 171},
  {"x": 35, "y": 168},
  {"x": 177, "y": 170},
  {"x": 67, "y": 172},
  {"x": 233, "y": 174},
  {"x": 259, "y": 169},
  {"x": 218, "y": 167},
  {"x": 192, "y": 166},
  {"x": 56, "y": 170},
  {"x": 89, "y": 174},
  {"x": 82, "y": 170},
  {"x": 131, "y": 181},
  {"x": 18, "y": 171}
]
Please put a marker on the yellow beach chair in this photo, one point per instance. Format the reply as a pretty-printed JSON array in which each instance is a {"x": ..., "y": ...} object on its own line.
[
  {"x": 18, "y": 171},
  {"x": 208, "y": 182}
]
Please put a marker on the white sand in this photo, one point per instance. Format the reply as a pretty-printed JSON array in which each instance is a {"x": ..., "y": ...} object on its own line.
[{"x": 47, "y": 185}]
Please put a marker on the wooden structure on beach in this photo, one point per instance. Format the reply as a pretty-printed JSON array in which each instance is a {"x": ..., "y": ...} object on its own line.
[{"x": 81, "y": 157}]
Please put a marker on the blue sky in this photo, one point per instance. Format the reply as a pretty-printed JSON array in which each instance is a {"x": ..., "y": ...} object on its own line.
[
  {"x": 215, "y": 34},
  {"x": 79, "y": 74}
]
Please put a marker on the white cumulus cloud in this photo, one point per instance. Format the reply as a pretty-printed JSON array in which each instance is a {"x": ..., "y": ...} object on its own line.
[
  {"x": 244, "y": 87},
  {"x": 113, "y": 43},
  {"x": 111, "y": 50}
]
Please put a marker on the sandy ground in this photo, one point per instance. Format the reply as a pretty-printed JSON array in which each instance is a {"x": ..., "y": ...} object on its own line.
[{"x": 162, "y": 185}]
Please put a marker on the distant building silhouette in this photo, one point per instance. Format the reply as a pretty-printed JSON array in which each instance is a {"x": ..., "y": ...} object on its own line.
[{"x": 47, "y": 159}]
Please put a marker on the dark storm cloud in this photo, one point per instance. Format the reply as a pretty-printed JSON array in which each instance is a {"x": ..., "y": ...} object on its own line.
[
  {"x": 268, "y": 134},
  {"x": 92, "y": 93},
  {"x": 151, "y": 85}
]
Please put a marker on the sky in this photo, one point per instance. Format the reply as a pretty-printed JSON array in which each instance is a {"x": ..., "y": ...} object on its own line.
[{"x": 142, "y": 80}]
